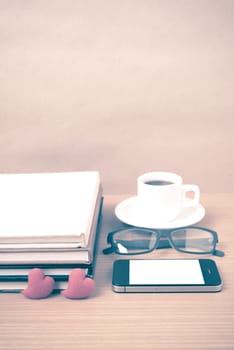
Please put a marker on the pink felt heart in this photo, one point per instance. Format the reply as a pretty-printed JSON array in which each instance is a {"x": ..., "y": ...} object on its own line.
[
  {"x": 39, "y": 286},
  {"x": 79, "y": 286}
]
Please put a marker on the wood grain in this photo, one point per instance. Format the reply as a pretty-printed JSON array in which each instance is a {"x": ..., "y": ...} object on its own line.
[{"x": 130, "y": 321}]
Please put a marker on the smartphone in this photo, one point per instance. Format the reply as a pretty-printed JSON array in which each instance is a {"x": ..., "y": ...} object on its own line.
[{"x": 173, "y": 275}]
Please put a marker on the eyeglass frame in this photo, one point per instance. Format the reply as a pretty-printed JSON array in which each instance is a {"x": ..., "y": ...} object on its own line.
[{"x": 160, "y": 234}]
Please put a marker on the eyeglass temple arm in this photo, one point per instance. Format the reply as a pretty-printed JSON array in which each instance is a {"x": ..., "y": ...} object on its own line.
[
  {"x": 108, "y": 250},
  {"x": 219, "y": 253},
  {"x": 163, "y": 244}
]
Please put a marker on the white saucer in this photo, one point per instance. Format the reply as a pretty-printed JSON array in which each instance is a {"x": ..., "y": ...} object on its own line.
[{"x": 126, "y": 212}]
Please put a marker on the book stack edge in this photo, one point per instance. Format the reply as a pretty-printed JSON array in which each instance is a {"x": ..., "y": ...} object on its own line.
[{"x": 61, "y": 233}]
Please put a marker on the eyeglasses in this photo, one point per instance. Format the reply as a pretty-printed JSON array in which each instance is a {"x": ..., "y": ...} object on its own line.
[{"x": 191, "y": 240}]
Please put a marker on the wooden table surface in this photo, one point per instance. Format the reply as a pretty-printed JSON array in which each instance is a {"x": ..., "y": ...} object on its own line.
[{"x": 131, "y": 321}]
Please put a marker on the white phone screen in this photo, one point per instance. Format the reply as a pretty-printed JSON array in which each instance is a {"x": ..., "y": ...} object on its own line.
[{"x": 153, "y": 272}]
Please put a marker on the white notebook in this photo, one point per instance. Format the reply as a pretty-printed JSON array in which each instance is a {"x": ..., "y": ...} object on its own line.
[{"x": 48, "y": 207}]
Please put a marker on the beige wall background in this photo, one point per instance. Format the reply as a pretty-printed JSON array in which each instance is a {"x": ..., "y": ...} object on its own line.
[{"x": 122, "y": 87}]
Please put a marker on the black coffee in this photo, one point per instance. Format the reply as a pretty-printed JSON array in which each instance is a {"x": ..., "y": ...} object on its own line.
[{"x": 158, "y": 182}]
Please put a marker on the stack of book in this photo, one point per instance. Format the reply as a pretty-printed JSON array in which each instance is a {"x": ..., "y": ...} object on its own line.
[{"x": 49, "y": 221}]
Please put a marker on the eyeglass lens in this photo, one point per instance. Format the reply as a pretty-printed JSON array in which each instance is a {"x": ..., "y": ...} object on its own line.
[
  {"x": 134, "y": 241},
  {"x": 193, "y": 240}
]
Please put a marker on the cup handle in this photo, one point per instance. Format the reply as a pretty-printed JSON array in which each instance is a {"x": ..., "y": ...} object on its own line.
[{"x": 195, "y": 200}]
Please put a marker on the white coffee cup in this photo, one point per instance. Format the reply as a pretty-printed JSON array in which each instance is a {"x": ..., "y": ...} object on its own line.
[{"x": 162, "y": 196}]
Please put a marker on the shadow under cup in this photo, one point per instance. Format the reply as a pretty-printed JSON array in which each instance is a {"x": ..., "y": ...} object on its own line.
[{"x": 162, "y": 196}]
